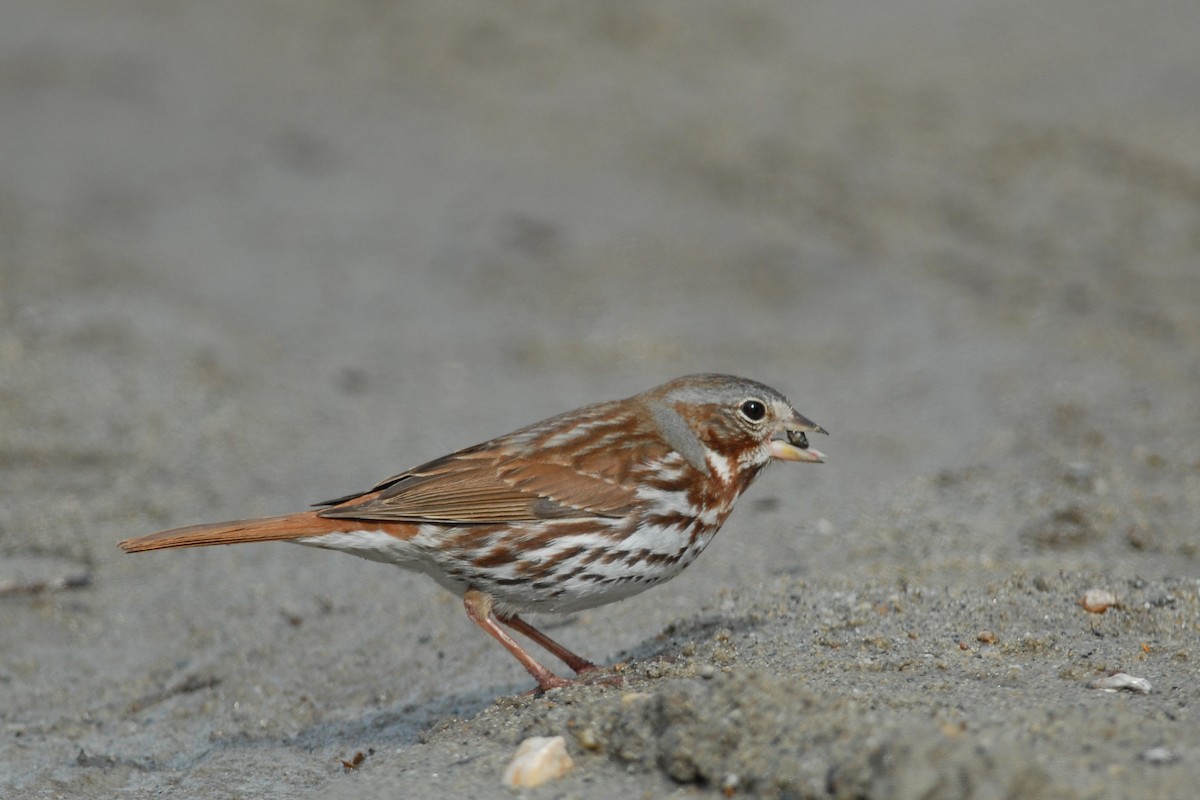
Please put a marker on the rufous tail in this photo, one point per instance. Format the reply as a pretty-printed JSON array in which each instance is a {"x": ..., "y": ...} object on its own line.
[{"x": 264, "y": 529}]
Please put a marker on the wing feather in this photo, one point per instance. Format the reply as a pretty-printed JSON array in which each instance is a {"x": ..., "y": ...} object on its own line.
[
  {"x": 469, "y": 489},
  {"x": 563, "y": 467}
]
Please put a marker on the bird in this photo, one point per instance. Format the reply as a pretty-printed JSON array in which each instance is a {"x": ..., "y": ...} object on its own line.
[{"x": 576, "y": 511}]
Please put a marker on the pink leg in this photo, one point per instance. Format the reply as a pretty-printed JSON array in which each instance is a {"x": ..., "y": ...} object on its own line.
[
  {"x": 479, "y": 609},
  {"x": 577, "y": 663}
]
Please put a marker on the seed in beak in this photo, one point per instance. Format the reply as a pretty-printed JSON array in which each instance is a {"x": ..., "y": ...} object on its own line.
[{"x": 797, "y": 439}]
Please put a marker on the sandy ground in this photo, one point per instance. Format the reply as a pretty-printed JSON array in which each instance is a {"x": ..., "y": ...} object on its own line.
[{"x": 254, "y": 255}]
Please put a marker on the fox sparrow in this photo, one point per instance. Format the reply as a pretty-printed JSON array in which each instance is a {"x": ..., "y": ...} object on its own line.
[{"x": 576, "y": 511}]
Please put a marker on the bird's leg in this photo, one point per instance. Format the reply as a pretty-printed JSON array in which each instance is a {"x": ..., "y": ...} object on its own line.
[
  {"x": 479, "y": 609},
  {"x": 577, "y": 663}
]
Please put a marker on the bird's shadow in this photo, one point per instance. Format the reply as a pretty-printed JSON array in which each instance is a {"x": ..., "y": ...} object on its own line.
[
  {"x": 405, "y": 724},
  {"x": 396, "y": 726},
  {"x": 390, "y": 728}
]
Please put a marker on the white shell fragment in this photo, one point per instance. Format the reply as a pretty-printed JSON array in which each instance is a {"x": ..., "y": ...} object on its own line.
[
  {"x": 538, "y": 759},
  {"x": 1121, "y": 680},
  {"x": 1159, "y": 755},
  {"x": 1097, "y": 601}
]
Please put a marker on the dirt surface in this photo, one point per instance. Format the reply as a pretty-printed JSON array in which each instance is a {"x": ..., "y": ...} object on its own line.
[{"x": 254, "y": 255}]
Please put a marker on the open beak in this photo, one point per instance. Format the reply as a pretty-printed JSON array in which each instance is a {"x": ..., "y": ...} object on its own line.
[{"x": 791, "y": 441}]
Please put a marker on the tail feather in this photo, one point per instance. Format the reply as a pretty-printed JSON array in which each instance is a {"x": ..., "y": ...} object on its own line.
[{"x": 265, "y": 529}]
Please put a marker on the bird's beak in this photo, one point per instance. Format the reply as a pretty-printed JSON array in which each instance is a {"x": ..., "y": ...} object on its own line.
[{"x": 790, "y": 443}]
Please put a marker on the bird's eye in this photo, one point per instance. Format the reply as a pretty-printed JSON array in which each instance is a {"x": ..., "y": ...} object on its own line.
[{"x": 753, "y": 410}]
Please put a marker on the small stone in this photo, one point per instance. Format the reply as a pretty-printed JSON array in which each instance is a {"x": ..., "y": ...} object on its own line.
[
  {"x": 539, "y": 759},
  {"x": 1159, "y": 755},
  {"x": 1121, "y": 680},
  {"x": 1097, "y": 601},
  {"x": 987, "y": 637},
  {"x": 588, "y": 738}
]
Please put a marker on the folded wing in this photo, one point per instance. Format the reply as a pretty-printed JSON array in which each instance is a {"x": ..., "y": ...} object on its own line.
[{"x": 479, "y": 487}]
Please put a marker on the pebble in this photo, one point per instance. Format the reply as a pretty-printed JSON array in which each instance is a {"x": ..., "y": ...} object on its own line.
[
  {"x": 588, "y": 738},
  {"x": 1121, "y": 680},
  {"x": 1097, "y": 601},
  {"x": 1159, "y": 755},
  {"x": 539, "y": 759}
]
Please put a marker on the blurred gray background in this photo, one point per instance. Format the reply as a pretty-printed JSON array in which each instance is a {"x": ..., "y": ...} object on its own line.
[{"x": 258, "y": 254}]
